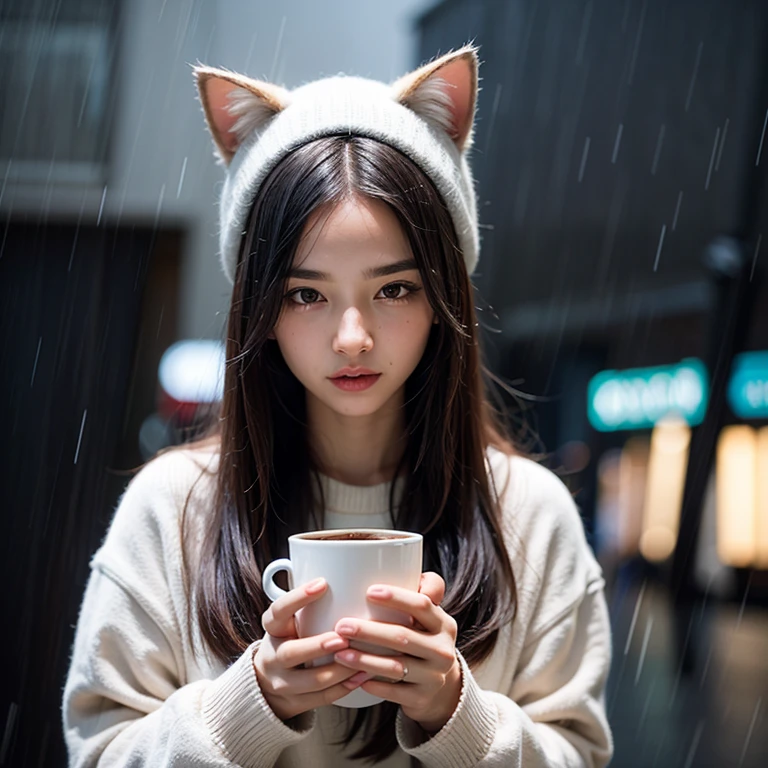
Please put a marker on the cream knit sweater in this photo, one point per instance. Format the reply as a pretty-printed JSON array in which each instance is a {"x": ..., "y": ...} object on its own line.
[{"x": 138, "y": 695}]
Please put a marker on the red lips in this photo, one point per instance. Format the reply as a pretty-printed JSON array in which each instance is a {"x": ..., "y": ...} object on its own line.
[
  {"x": 351, "y": 379},
  {"x": 353, "y": 372}
]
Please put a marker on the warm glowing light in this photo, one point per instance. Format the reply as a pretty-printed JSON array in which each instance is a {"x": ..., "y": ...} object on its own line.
[
  {"x": 737, "y": 470},
  {"x": 761, "y": 510},
  {"x": 664, "y": 489}
]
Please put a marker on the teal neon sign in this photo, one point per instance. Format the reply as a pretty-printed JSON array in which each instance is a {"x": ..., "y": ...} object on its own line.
[
  {"x": 748, "y": 387},
  {"x": 638, "y": 398}
]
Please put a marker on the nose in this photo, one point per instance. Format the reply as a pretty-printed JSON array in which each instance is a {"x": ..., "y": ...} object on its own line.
[{"x": 352, "y": 337}]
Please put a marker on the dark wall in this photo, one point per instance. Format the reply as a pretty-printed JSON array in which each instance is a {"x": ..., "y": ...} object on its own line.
[
  {"x": 70, "y": 299},
  {"x": 569, "y": 212}
]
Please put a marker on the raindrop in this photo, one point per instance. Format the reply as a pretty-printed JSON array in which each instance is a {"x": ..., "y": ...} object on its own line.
[
  {"x": 617, "y": 143},
  {"x": 712, "y": 157},
  {"x": 159, "y": 205},
  {"x": 722, "y": 144},
  {"x": 77, "y": 235},
  {"x": 657, "y": 153},
  {"x": 694, "y": 744},
  {"x": 80, "y": 438},
  {"x": 677, "y": 209},
  {"x": 643, "y": 650},
  {"x": 37, "y": 357},
  {"x": 101, "y": 205},
  {"x": 637, "y": 43},
  {"x": 749, "y": 732},
  {"x": 658, "y": 250},
  {"x": 634, "y": 618},
  {"x": 86, "y": 90},
  {"x": 181, "y": 177},
  {"x": 278, "y": 46},
  {"x": 625, "y": 17},
  {"x": 492, "y": 120},
  {"x": 584, "y": 156},
  {"x": 754, "y": 258},
  {"x": 693, "y": 77},
  {"x": 584, "y": 31},
  {"x": 762, "y": 136},
  {"x": 5, "y": 180},
  {"x": 250, "y": 52},
  {"x": 160, "y": 321},
  {"x": 10, "y": 721},
  {"x": 646, "y": 706}
]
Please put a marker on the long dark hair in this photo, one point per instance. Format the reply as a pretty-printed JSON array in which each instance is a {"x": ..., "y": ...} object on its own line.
[{"x": 266, "y": 486}]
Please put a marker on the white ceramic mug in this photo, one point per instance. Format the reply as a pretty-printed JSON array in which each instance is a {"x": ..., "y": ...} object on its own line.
[{"x": 349, "y": 566}]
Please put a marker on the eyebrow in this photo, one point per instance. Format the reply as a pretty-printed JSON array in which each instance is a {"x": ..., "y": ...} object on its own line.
[{"x": 404, "y": 265}]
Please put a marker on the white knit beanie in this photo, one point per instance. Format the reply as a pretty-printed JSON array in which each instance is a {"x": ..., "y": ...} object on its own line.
[{"x": 428, "y": 115}]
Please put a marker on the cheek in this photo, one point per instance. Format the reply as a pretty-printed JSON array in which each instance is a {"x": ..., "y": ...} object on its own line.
[
  {"x": 288, "y": 338},
  {"x": 412, "y": 332},
  {"x": 301, "y": 344}
]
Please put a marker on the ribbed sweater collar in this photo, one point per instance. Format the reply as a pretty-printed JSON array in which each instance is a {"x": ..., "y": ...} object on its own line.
[{"x": 359, "y": 499}]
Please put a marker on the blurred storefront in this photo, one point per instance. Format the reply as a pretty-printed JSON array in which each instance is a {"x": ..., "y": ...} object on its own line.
[
  {"x": 621, "y": 162},
  {"x": 613, "y": 155}
]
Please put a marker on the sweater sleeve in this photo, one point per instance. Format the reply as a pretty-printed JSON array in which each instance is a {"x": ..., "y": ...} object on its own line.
[
  {"x": 550, "y": 709},
  {"x": 553, "y": 716},
  {"x": 123, "y": 704},
  {"x": 128, "y": 698}
]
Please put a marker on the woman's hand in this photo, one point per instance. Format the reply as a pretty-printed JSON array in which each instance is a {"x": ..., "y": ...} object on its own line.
[
  {"x": 289, "y": 689},
  {"x": 426, "y": 671}
]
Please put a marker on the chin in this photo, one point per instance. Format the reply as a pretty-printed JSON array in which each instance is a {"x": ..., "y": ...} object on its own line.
[
  {"x": 355, "y": 404},
  {"x": 356, "y": 409}
]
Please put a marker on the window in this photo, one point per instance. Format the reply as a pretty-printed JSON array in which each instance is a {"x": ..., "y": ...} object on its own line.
[{"x": 56, "y": 94}]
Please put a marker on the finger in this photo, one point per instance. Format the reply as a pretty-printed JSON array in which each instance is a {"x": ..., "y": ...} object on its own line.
[
  {"x": 416, "y": 604},
  {"x": 317, "y": 679},
  {"x": 399, "y": 693},
  {"x": 392, "y": 636},
  {"x": 433, "y": 586},
  {"x": 294, "y": 653},
  {"x": 391, "y": 668},
  {"x": 278, "y": 619}
]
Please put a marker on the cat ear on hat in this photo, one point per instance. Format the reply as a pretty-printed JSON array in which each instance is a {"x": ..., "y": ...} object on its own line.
[
  {"x": 235, "y": 106},
  {"x": 444, "y": 92}
]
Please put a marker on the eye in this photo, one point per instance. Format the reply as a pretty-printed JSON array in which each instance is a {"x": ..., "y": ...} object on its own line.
[
  {"x": 304, "y": 296},
  {"x": 395, "y": 291}
]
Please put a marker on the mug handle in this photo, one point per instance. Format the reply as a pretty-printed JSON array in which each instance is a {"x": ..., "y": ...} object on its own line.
[{"x": 273, "y": 591}]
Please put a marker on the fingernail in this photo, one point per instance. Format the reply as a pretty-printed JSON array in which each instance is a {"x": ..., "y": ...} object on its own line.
[
  {"x": 346, "y": 629},
  {"x": 334, "y": 644},
  {"x": 315, "y": 586},
  {"x": 380, "y": 592},
  {"x": 346, "y": 656}
]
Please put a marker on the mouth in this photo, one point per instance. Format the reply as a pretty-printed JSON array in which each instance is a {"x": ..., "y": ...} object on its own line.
[
  {"x": 353, "y": 373},
  {"x": 354, "y": 380}
]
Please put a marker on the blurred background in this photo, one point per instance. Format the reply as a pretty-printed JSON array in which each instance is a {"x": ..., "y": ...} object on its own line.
[{"x": 621, "y": 170}]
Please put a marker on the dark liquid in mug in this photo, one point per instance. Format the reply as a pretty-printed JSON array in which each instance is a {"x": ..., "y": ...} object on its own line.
[{"x": 352, "y": 536}]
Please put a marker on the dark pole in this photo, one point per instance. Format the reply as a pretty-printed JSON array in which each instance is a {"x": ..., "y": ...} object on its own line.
[{"x": 729, "y": 261}]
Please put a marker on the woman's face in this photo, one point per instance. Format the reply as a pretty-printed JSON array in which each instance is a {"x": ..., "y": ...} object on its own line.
[{"x": 355, "y": 318}]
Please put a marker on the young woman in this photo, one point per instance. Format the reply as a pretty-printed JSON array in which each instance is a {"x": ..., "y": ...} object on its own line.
[{"x": 354, "y": 397}]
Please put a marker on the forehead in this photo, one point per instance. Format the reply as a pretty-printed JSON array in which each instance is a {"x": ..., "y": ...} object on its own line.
[{"x": 358, "y": 227}]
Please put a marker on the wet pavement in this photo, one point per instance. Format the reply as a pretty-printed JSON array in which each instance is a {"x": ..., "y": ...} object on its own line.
[{"x": 666, "y": 715}]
